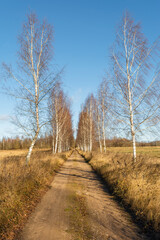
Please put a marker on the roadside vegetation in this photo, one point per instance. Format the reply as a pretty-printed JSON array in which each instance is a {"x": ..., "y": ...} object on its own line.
[
  {"x": 137, "y": 185},
  {"x": 21, "y": 186}
]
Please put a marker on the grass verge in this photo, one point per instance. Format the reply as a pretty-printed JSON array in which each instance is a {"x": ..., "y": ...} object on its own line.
[
  {"x": 21, "y": 187},
  {"x": 137, "y": 185}
]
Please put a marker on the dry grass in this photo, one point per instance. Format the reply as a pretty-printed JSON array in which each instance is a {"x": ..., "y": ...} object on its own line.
[
  {"x": 152, "y": 151},
  {"x": 137, "y": 185},
  {"x": 17, "y": 152},
  {"x": 9, "y": 153},
  {"x": 21, "y": 187}
]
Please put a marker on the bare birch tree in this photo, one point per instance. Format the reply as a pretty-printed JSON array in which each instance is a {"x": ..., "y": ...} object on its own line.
[
  {"x": 89, "y": 108},
  {"x": 103, "y": 105},
  {"x": 33, "y": 79},
  {"x": 135, "y": 79},
  {"x": 86, "y": 125},
  {"x": 98, "y": 122},
  {"x": 61, "y": 120},
  {"x": 83, "y": 131}
]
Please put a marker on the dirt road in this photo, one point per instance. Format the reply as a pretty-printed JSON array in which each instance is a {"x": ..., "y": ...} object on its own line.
[{"x": 78, "y": 207}]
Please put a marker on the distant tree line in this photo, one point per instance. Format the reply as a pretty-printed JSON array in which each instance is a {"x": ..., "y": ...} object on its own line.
[
  {"x": 24, "y": 143},
  {"x": 47, "y": 142}
]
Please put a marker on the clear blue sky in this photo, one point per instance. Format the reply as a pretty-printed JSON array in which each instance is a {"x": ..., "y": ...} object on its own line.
[{"x": 84, "y": 32}]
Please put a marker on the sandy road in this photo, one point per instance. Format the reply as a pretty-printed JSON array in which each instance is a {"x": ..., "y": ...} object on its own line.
[{"x": 57, "y": 217}]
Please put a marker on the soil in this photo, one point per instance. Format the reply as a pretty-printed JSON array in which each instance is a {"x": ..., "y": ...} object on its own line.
[{"x": 78, "y": 206}]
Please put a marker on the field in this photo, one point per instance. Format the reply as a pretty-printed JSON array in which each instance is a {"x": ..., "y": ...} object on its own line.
[
  {"x": 21, "y": 187},
  {"x": 18, "y": 152},
  {"x": 149, "y": 151},
  {"x": 137, "y": 185}
]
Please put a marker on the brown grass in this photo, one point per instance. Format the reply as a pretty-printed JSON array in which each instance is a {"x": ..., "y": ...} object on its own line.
[
  {"x": 17, "y": 152},
  {"x": 152, "y": 151},
  {"x": 21, "y": 187},
  {"x": 137, "y": 185}
]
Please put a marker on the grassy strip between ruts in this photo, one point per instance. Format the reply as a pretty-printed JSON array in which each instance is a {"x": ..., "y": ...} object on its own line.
[
  {"x": 136, "y": 184},
  {"x": 21, "y": 187},
  {"x": 77, "y": 212}
]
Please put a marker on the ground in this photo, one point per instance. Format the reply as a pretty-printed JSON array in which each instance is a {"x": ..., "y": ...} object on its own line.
[{"x": 78, "y": 206}]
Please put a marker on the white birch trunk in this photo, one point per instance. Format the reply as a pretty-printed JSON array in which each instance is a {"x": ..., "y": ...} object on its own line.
[
  {"x": 130, "y": 96},
  {"x": 100, "y": 144},
  {"x": 56, "y": 143},
  {"x": 57, "y": 134},
  {"x": 31, "y": 148},
  {"x": 36, "y": 85},
  {"x": 134, "y": 146},
  {"x": 104, "y": 134},
  {"x": 91, "y": 127},
  {"x": 131, "y": 119},
  {"x": 99, "y": 130},
  {"x": 53, "y": 145}
]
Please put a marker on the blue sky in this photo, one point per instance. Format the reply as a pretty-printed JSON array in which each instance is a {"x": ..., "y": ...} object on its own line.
[{"x": 84, "y": 31}]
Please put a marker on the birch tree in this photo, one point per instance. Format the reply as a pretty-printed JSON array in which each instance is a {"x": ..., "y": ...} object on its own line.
[
  {"x": 135, "y": 80},
  {"x": 33, "y": 79},
  {"x": 61, "y": 120},
  {"x": 103, "y": 105},
  {"x": 83, "y": 131},
  {"x": 89, "y": 108},
  {"x": 86, "y": 125},
  {"x": 98, "y": 121}
]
